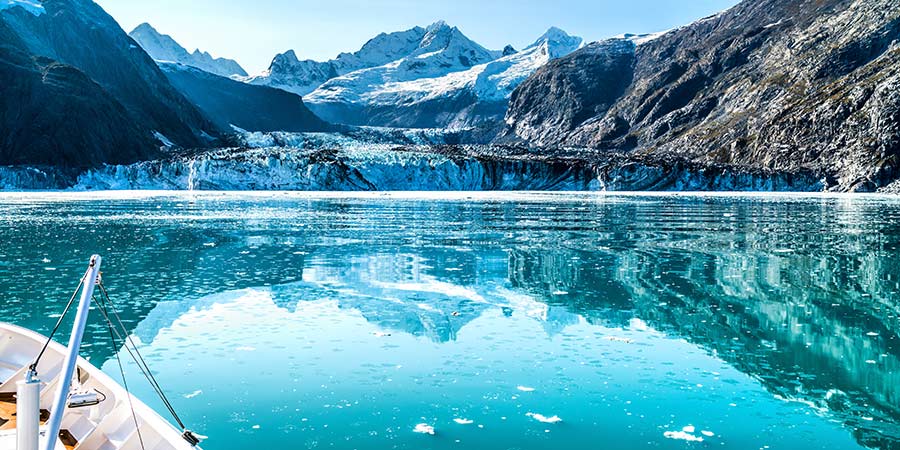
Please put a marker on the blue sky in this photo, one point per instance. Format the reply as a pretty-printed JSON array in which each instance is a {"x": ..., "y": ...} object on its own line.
[{"x": 252, "y": 32}]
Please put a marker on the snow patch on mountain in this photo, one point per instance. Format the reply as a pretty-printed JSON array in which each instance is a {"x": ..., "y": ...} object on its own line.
[
  {"x": 163, "y": 48},
  {"x": 33, "y": 6}
]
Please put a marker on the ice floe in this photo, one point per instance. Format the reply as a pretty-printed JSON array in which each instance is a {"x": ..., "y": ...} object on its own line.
[
  {"x": 544, "y": 419},
  {"x": 424, "y": 428},
  {"x": 682, "y": 436}
]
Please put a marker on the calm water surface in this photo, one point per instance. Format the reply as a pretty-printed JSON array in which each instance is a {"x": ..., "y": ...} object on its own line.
[{"x": 290, "y": 321}]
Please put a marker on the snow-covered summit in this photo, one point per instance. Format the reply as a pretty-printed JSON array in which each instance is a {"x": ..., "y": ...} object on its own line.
[
  {"x": 443, "y": 50},
  {"x": 436, "y": 83},
  {"x": 163, "y": 47},
  {"x": 422, "y": 49},
  {"x": 491, "y": 80}
]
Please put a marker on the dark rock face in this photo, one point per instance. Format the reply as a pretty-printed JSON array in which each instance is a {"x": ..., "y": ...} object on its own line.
[
  {"x": 53, "y": 114},
  {"x": 253, "y": 108},
  {"x": 119, "y": 86},
  {"x": 786, "y": 85}
]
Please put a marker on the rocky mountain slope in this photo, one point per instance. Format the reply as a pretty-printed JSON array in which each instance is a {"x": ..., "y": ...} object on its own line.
[
  {"x": 162, "y": 47},
  {"x": 232, "y": 103},
  {"x": 78, "y": 91},
  {"x": 778, "y": 85},
  {"x": 448, "y": 95}
]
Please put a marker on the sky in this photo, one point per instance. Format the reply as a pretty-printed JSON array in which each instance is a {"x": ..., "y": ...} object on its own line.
[{"x": 253, "y": 32}]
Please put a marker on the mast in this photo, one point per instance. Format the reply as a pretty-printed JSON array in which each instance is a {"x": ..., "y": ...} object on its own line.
[{"x": 65, "y": 378}]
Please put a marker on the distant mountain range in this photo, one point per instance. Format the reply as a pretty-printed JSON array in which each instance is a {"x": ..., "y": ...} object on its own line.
[{"x": 769, "y": 89}]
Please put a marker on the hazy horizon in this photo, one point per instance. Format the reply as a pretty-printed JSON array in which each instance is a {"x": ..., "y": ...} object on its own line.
[{"x": 254, "y": 33}]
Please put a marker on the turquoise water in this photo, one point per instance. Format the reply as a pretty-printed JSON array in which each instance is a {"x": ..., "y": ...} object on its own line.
[{"x": 293, "y": 321}]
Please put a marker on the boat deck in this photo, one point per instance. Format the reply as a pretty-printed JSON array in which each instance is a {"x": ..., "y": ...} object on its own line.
[{"x": 8, "y": 419}]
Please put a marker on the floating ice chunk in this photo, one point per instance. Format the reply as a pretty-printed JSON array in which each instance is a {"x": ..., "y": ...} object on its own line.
[
  {"x": 560, "y": 293},
  {"x": 544, "y": 419},
  {"x": 681, "y": 435},
  {"x": 871, "y": 333},
  {"x": 381, "y": 334},
  {"x": 688, "y": 429},
  {"x": 525, "y": 388},
  {"x": 424, "y": 428},
  {"x": 623, "y": 340},
  {"x": 464, "y": 421},
  {"x": 707, "y": 433},
  {"x": 193, "y": 394},
  {"x": 255, "y": 427}
]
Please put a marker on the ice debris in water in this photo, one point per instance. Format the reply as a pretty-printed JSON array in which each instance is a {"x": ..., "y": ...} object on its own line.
[
  {"x": 619, "y": 339},
  {"x": 707, "y": 433},
  {"x": 381, "y": 334},
  {"x": 544, "y": 419},
  {"x": 688, "y": 429},
  {"x": 464, "y": 421},
  {"x": 424, "y": 428},
  {"x": 681, "y": 435},
  {"x": 525, "y": 388},
  {"x": 193, "y": 394}
]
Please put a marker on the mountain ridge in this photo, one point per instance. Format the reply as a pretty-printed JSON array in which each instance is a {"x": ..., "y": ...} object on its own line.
[{"x": 162, "y": 47}]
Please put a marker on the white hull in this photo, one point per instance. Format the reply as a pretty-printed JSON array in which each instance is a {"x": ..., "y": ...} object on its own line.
[{"x": 108, "y": 425}]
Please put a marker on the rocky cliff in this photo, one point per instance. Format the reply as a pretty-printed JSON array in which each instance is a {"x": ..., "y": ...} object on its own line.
[
  {"x": 76, "y": 84},
  {"x": 784, "y": 85}
]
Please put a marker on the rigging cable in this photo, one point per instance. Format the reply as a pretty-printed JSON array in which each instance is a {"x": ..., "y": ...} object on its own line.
[
  {"x": 189, "y": 436},
  {"x": 115, "y": 345},
  {"x": 33, "y": 367}
]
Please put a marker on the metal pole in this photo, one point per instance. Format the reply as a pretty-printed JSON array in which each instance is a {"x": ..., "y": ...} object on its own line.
[
  {"x": 65, "y": 378},
  {"x": 28, "y": 412}
]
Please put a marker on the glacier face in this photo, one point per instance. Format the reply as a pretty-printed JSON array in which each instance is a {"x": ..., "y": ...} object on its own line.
[
  {"x": 334, "y": 162},
  {"x": 375, "y": 168}
]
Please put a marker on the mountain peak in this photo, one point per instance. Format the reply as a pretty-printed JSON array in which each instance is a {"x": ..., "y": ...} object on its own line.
[
  {"x": 558, "y": 42},
  {"x": 144, "y": 27},
  {"x": 438, "y": 25},
  {"x": 162, "y": 47}
]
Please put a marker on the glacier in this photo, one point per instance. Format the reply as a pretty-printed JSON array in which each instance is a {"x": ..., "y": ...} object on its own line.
[{"x": 375, "y": 159}]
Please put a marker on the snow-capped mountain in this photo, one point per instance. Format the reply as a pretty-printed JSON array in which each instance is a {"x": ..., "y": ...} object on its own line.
[
  {"x": 442, "y": 50},
  {"x": 302, "y": 77},
  {"x": 437, "y": 88},
  {"x": 162, "y": 47}
]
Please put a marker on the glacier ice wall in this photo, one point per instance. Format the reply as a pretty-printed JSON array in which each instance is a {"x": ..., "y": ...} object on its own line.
[{"x": 346, "y": 170}]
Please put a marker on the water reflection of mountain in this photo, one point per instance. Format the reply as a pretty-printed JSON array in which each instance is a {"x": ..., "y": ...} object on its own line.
[{"x": 819, "y": 329}]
